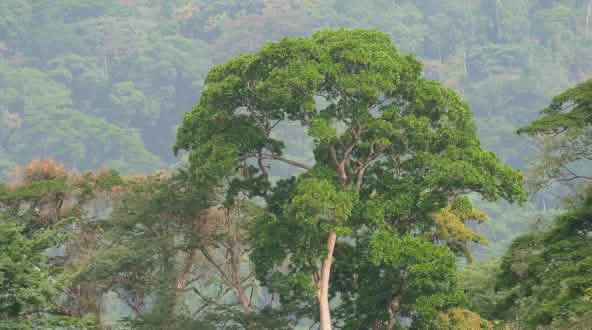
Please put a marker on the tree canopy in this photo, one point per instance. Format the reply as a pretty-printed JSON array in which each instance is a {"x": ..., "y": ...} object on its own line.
[
  {"x": 565, "y": 130},
  {"x": 395, "y": 154}
]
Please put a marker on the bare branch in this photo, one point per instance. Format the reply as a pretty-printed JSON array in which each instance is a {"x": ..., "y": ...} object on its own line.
[
  {"x": 199, "y": 310},
  {"x": 133, "y": 306},
  {"x": 222, "y": 273},
  {"x": 350, "y": 147},
  {"x": 275, "y": 124},
  {"x": 275, "y": 157},
  {"x": 213, "y": 302},
  {"x": 208, "y": 301},
  {"x": 289, "y": 161},
  {"x": 574, "y": 175}
]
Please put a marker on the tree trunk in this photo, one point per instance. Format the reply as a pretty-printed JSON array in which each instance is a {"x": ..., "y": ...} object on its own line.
[
  {"x": 244, "y": 300},
  {"x": 323, "y": 285},
  {"x": 236, "y": 253},
  {"x": 90, "y": 300},
  {"x": 181, "y": 279},
  {"x": 393, "y": 309}
]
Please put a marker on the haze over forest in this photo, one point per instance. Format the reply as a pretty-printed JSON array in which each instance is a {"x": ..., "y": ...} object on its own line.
[{"x": 280, "y": 164}]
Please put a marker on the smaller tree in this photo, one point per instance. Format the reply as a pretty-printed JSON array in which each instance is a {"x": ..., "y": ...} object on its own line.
[
  {"x": 28, "y": 283},
  {"x": 178, "y": 260},
  {"x": 45, "y": 196},
  {"x": 39, "y": 207},
  {"x": 564, "y": 133}
]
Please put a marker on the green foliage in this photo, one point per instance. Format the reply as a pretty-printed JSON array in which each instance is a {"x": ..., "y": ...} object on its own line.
[
  {"x": 104, "y": 83},
  {"x": 570, "y": 110},
  {"x": 27, "y": 280},
  {"x": 458, "y": 318},
  {"x": 177, "y": 262},
  {"x": 37, "y": 213},
  {"x": 415, "y": 278},
  {"x": 478, "y": 280},
  {"x": 15, "y": 16},
  {"x": 546, "y": 276},
  {"x": 320, "y": 203},
  {"x": 391, "y": 148},
  {"x": 565, "y": 132},
  {"x": 46, "y": 115}
]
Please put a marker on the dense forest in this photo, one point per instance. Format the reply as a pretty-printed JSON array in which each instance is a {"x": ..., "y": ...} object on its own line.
[{"x": 295, "y": 164}]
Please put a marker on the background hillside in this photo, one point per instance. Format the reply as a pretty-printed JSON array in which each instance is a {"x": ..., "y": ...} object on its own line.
[{"x": 104, "y": 83}]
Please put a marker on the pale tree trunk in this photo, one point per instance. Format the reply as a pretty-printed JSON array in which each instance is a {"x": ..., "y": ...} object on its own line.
[
  {"x": 235, "y": 262},
  {"x": 323, "y": 284}
]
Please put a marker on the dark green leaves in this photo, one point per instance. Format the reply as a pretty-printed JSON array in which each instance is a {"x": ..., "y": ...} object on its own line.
[
  {"x": 571, "y": 109},
  {"x": 546, "y": 277}
]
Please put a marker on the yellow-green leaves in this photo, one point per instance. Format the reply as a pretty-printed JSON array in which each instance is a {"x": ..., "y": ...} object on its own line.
[
  {"x": 451, "y": 224},
  {"x": 387, "y": 248},
  {"x": 321, "y": 130},
  {"x": 460, "y": 318}
]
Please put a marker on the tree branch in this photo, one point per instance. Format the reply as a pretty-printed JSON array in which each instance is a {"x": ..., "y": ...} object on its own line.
[
  {"x": 261, "y": 165},
  {"x": 222, "y": 273},
  {"x": 199, "y": 310},
  {"x": 373, "y": 154},
  {"x": 275, "y": 157},
  {"x": 133, "y": 306},
  {"x": 208, "y": 301},
  {"x": 288, "y": 161},
  {"x": 213, "y": 302},
  {"x": 4, "y": 142},
  {"x": 574, "y": 176}
]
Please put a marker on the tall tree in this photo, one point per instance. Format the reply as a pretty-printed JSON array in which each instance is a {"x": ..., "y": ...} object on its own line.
[
  {"x": 395, "y": 153},
  {"x": 43, "y": 210}
]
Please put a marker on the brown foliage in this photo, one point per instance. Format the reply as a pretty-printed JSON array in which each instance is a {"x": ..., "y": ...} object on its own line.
[
  {"x": 208, "y": 222},
  {"x": 43, "y": 169}
]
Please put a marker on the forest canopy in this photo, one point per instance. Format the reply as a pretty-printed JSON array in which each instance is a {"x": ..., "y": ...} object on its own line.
[{"x": 295, "y": 164}]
